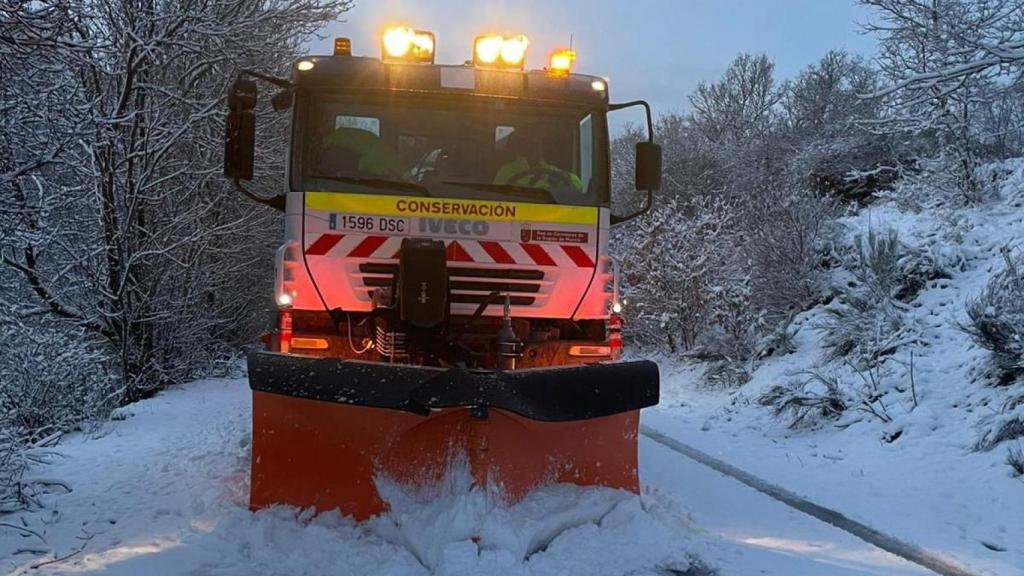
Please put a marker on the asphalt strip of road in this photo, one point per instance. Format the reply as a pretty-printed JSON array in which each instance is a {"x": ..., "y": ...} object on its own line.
[{"x": 891, "y": 544}]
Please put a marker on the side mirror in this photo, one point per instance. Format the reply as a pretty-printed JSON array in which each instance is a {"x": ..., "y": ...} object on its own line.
[
  {"x": 240, "y": 131},
  {"x": 648, "y": 162},
  {"x": 648, "y": 166}
]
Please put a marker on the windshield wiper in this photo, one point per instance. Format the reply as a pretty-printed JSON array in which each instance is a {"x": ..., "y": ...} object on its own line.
[
  {"x": 382, "y": 183},
  {"x": 506, "y": 189}
]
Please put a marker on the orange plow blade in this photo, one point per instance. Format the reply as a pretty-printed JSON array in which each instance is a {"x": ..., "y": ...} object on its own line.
[{"x": 322, "y": 435}]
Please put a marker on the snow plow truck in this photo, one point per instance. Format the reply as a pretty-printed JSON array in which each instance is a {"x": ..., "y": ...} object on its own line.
[{"x": 445, "y": 293}]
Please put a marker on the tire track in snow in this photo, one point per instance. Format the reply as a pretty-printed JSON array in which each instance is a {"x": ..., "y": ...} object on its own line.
[{"x": 891, "y": 544}]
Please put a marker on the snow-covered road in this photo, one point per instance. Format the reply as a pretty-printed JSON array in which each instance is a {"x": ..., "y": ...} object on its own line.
[
  {"x": 862, "y": 555},
  {"x": 767, "y": 537},
  {"x": 163, "y": 492}
]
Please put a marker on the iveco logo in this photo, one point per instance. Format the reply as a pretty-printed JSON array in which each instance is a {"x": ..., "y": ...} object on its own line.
[{"x": 455, "y": 227}]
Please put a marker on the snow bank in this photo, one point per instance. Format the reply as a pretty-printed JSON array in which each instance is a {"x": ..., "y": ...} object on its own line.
[{"x": 915, "y": 473}]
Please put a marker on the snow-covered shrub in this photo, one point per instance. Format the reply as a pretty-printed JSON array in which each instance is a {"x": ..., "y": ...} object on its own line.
[
  {"x": 806, "y": 400},
  {"x": 866, "y": 321},
  {"x": 697, "y": 568},
  {"x": 1015, "y": 459},
  {"x": 812, "y": 397},
  {"x": 686, "y": 287},
  {"x": 52, "y": 380},
  {"x": 786, "y": 232},
  {"x": 728, "y": 372},
  {"x": 929, "y": 183},
  {"x": 669, "y": 262},
  {"x": 1003, "y": 180},
  {"x": 996, "y": 318},
  {"x": 875, "y": 386},
  {"x": 918, "y": 267},
  {"x": 1009, "y": 428},
  {"x": 851, "y": 169},
  {"x": 12, "y": 466},
  {"x": 779, "y": 341},
  {"x": 730, "y": 343},
  {"x": 1004, "y": 426}
]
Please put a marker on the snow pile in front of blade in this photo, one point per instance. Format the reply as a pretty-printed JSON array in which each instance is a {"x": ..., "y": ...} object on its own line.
[
  {"x": 455, "y": 527},
  {"x": 452, "y": 529}
]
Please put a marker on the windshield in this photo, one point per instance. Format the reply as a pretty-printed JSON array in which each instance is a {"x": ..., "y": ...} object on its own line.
[{"x": 465, "y": 147}]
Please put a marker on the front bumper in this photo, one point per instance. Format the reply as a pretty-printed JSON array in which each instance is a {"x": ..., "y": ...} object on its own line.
[{"x": 560, "y": 394}]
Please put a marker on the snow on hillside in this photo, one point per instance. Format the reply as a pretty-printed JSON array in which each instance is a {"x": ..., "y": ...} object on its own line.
[{"x": 913, "y": 469}]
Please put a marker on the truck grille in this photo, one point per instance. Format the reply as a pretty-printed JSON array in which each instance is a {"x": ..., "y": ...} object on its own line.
[{"x": 469, "y": 285}]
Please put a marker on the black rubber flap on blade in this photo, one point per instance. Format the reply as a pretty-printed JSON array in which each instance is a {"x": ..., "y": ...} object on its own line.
[{"x": 548, "y": 394}]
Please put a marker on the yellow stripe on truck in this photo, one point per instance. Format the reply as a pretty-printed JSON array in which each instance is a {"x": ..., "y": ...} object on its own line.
[{"x": 452, "y": 208}]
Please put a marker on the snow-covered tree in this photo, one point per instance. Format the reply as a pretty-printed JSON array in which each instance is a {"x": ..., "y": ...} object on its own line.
[
  {"x": 119, "y": 241},
  {"x": 742, "y": 104},
  {"x": 822, "y": 110},
  {"x": 945, "y": 62},
  {"x": 733, "y": 245},
  {"x": 116, "y": 215}
]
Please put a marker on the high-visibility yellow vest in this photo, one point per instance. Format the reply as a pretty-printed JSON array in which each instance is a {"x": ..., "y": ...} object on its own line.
[
  {"x": 375, "y": 157},
  {"x": 511, "y": 169}
]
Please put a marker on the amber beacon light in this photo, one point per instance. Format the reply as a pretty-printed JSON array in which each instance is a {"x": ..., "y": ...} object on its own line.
[{"x": 562, "y": 61}]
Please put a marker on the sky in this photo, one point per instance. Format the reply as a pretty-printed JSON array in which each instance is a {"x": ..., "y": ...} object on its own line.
[{"x": 657, "y": 50}]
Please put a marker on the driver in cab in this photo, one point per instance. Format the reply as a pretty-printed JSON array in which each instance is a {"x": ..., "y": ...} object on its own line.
[
  {"x": 527, "y": 166},
  {"x": 351, "y": 150}
]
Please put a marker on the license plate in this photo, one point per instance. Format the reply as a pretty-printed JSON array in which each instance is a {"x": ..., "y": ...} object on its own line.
[{"x": 380, "y": 224}]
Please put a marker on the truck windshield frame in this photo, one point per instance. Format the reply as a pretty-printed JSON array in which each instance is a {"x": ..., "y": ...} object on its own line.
[{"x": 465, "y": 146}]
